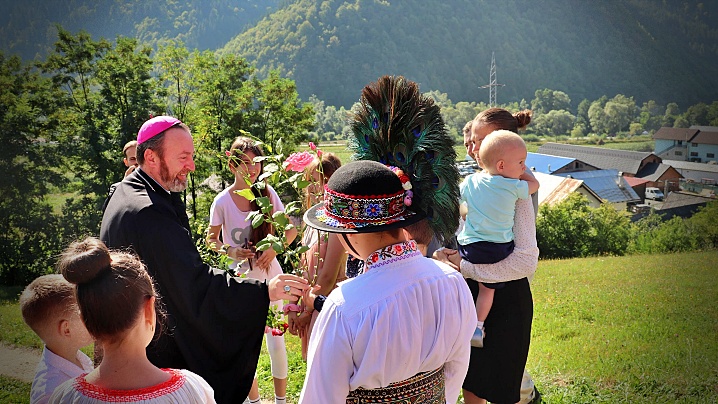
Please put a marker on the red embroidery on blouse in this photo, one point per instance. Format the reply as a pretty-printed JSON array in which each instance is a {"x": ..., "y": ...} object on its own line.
[
  {"x": 175, "y": 382},
  {"x": 392, "y": 253}
]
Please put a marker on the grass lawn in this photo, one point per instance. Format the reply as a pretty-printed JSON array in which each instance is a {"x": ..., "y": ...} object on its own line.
[
  {"x": 13, "y": 391},
  {"x": 636, "y": 329}
]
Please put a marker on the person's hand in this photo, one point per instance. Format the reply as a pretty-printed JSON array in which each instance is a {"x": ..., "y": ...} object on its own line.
[
  {"x": 292, "y": 323},
  {"x": 239, "y": 253},
  {"x": 449, "y": 257},
  {"x": 278, "y": 287},
  {"x": 303, "y": 323},
  {"x": 308, "y": 298},
  {"x": 265, "y": 259}
]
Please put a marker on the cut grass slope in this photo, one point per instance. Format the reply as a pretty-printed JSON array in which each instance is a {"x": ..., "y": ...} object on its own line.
[{"x": 636, "y": 329}]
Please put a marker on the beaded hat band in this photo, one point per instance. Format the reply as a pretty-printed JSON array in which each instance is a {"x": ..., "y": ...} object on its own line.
[
  {"x": 364, "y": 197},
  {"x": 356, "y": 211}
]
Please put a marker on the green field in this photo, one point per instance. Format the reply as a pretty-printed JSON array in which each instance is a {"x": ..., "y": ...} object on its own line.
[
  {"x": 636, "y": 329},
  {"x": 637, "y": 143}
]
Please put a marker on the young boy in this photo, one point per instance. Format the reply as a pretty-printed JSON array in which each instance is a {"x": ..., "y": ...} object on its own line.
[
  {"x": 490, "y": 197},
  {"x": 398, "y": 332},
  {"x": 49, "y": 307}
]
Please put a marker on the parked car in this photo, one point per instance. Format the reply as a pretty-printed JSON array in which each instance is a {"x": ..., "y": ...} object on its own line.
[
  {"x": 654, "y": 193},
  {"x": 640, "y": 208},
  {"x": 467, "y": 167}
]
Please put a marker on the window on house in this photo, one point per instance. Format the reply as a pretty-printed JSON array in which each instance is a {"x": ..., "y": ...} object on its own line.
[
  {"x": 679, "y": 153},
  {"x": 694, "y": 154},
  {"x": 710, "y": 155},
  {"x": 680, "y": 142},
  {"x": 694, "y": 144}
]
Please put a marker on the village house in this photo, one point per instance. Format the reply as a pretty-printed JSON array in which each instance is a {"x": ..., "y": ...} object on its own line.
[
  {"x": 644, "y": 165},
  {"x": 609, "y": 186},
  {"x": 555, "y": 188},
  {"x": 698, "y": 144}
]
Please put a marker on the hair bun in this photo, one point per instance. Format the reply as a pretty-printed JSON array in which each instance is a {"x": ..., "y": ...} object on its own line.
[
  {"x": 523, "y": 118},
  {"x": 84, "y": 260}
]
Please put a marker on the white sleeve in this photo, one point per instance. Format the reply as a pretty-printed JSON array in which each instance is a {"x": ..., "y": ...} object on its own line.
[
  {"x": 216, "y": 217},
  {"x": 523, "y": 260},
  {"x": 198, "y": 387},
  {"x": 330, "y": 365},
  {"x": 457, "y": 364}
]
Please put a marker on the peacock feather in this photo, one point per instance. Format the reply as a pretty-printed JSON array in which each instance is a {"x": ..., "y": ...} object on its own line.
[{"x": 396, "y": 125}]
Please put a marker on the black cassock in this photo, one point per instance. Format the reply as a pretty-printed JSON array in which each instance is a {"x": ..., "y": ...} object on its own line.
[{"x": 215, "y": 322}]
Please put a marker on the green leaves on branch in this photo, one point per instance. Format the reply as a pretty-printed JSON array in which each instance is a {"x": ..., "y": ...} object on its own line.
[
  {"x": 273, "y": 242},
  {"x": 572, "y": 228}
]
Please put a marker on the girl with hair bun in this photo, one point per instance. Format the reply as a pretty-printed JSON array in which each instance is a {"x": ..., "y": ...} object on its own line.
[{"x": 120, "y": 308}]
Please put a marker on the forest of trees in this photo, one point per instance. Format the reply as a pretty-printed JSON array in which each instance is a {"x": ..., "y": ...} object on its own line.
[
  {"x": 64, "y": 121},
  {"x": 26, "y": 27},
  {"x": 661, "y": 51},
  {"x": 65, "y": 118},
  {"x": 649, "y": 50},
  {"x": 552, "y": 116}
]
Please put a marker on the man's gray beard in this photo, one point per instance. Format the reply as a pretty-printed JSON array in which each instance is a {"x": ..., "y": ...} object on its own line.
[
  {"x": 178, "y": 185},
  {"x": 173, "y": 184}
]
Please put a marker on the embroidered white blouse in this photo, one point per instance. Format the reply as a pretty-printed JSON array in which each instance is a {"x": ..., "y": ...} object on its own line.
[
  {"x": 406, "y": 314},
  {"x": 182, "y": 387},
  {"x": 523, "y": 260}
]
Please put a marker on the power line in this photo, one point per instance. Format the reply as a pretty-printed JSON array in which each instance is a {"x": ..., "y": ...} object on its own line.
[{"x": 492, "y": 82}]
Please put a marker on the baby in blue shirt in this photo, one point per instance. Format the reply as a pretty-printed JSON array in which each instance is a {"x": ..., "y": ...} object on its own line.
[{"x": 488, "y": 203}]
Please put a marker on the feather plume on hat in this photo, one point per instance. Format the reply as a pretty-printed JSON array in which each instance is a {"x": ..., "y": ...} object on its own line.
[{"x": 397, "y": 126}]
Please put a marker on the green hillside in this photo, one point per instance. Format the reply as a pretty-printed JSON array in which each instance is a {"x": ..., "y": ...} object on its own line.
[
  {"x": 645, "y": 49},
  {"x": 27, "y": 27}
]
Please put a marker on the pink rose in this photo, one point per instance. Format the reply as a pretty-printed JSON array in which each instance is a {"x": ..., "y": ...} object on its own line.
[
  {"x": 228, "y": 153},
  {"x": 319, "y": 153},
  {"x": 299, "y": 161},
  {"x": 312, "y": 146}
]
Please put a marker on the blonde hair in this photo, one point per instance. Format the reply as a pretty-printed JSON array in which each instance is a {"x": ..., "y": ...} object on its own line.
[
  {"x": 131, "y": 143},
  {"x": 49, "y": 297},
  {"x": 495, "y": 146}
]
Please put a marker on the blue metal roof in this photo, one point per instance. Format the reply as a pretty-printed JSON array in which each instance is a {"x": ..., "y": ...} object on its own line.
[
  {"x": 541, "y": 162},
  {"x": 607, "y": 184}
]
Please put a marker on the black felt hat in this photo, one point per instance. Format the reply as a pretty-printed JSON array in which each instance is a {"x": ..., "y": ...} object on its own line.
[{"x": 363, "y": 197}]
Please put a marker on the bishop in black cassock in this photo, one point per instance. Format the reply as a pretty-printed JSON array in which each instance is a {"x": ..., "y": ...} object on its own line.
[{"x": 215, "y": 322}]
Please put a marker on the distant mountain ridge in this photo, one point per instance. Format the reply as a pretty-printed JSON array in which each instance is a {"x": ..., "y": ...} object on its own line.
[
  {"x": 26, "y": 27},
  {"x": 641, "y": 48},
  {"x": 646, "y": 49}
]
